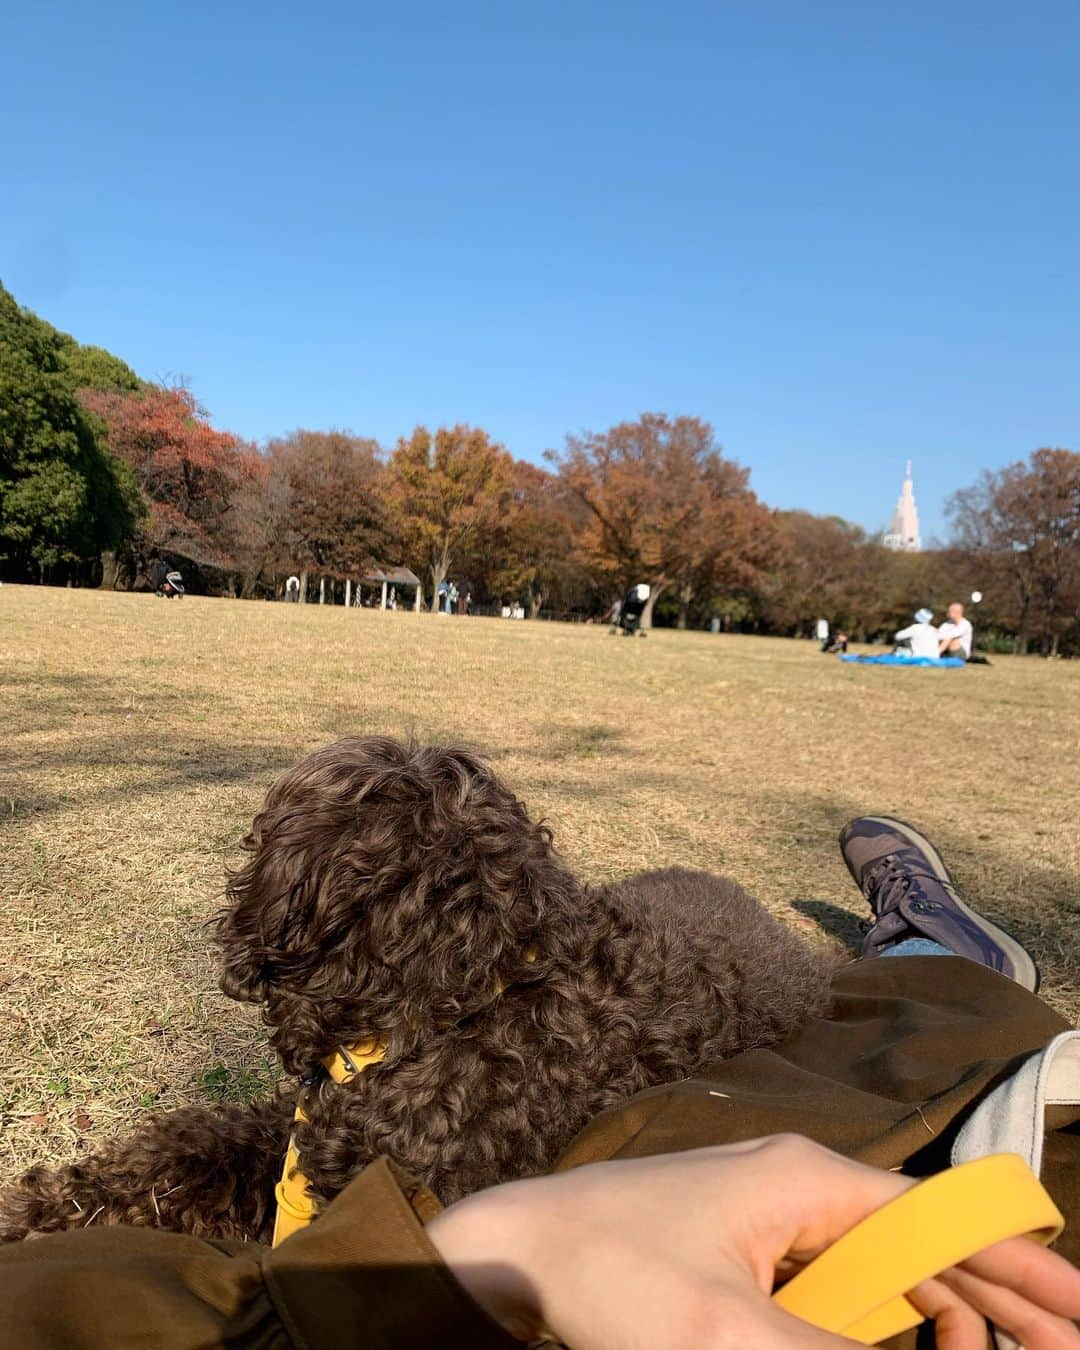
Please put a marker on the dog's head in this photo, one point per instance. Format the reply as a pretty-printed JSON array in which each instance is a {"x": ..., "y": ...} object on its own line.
[{"x": 391, "y": 889}]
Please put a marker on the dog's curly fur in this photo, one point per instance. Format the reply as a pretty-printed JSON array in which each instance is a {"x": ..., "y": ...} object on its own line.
[{"x": 393, "y": 890}]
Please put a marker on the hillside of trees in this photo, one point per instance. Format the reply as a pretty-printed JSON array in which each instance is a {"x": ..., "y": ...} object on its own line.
[{"x": 104, "y": 474}]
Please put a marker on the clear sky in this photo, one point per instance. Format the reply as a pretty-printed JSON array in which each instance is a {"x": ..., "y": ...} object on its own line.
[{"x": 846, "y": 232}]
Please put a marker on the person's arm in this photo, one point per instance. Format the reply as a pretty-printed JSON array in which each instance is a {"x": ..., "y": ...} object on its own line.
[
  {"x": 684, "y": 1249},
  {"x": 681, "y": 1249}
]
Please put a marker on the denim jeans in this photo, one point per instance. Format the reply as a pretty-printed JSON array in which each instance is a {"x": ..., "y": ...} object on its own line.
[{"x": 917, "y": 947}]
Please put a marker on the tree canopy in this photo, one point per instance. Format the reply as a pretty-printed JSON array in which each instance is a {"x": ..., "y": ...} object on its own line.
[
  {"x": 64, "y": 498},
  {"x": 1022, "y": 525},
  {"x": 102, "y": 473},
  {"x": 447, "y": 488},
  {"x": 664, "y": 506}
]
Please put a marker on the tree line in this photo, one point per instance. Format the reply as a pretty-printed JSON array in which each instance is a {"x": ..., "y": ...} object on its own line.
[{"x": 103, "y": 475}]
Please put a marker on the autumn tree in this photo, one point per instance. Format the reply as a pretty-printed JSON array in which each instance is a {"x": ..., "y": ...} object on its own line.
[
  {"x": 826, "y": 569},
  {"x": 186, "y": 470},
  {"x": 659, "y": 496},
  {"x": 447, "y": 489},
  {"x": 330, "y": 489},
  {"x": 1023, "y": 522},
  {"x": 528, "y": 553},
  {"x": 730, "y": 543},
  {"x": 257, "y": 527}
]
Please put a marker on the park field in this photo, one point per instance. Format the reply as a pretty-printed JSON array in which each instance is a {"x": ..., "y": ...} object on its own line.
[{"x": 137, "y": 737}]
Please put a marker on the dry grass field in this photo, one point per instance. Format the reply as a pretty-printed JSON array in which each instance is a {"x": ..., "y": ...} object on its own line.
[{"x": 138, "y": 736}]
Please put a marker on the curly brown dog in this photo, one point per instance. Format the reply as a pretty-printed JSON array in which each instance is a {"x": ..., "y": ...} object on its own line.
[{"x": 403, "y": 893}]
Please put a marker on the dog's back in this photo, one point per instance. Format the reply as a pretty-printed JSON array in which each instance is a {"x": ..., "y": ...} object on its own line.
[{"x": 768, "y": 978}]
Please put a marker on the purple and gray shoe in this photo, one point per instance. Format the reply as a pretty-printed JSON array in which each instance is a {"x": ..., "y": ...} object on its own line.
[{"x": 913, "y": 895}]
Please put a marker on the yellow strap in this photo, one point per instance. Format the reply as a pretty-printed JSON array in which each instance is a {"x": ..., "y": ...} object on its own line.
[
  {"x": 295, "y": 1204},
  {"x": 856, "y": 1287}
]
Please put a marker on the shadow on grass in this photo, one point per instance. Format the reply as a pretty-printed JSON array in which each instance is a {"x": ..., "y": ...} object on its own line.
[
  {"x": 832, "y": 919},
  {"x": 147, "y": 748}
]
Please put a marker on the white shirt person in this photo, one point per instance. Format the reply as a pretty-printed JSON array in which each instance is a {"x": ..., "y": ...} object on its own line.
[
  {"x": 956, "y": 635},
  {"x": 921, "y": 637}
]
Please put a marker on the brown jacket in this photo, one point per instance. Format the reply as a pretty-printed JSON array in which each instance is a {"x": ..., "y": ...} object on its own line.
[{"x": 911, "y": 1046}]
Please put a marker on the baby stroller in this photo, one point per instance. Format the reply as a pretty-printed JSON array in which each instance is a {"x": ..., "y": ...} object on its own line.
[
  {"x": 633, "y": 606},
  {"x": 171, "y": 586}
]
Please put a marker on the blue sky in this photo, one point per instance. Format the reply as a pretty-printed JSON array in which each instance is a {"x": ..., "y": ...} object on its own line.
[{"x": 845, "y": 233}]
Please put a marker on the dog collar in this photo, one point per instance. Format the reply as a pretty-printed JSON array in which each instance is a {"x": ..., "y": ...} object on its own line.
[{"x": 295, "y": 1203}]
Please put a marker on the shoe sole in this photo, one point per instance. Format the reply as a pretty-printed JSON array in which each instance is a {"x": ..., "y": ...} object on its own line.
[{"x": 1027, "y": 973}]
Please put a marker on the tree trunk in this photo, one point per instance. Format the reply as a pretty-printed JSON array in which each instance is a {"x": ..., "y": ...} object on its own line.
[
  {"x": 438, "y": 576},
  {"x": 536, "y": 603},
  {"x": 418, "y": 603},
  {"x": 656, "y": 589},
  {"x": 322, "y": 590},
  {"x": 348, "y": 592},
  {"x": 303, "y": 588},
  {"x": 110, "y": 571},
  {"x": 686, "y": 594}
]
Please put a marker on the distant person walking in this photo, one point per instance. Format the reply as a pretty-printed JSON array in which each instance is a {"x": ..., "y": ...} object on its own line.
[
  {"x": 956, "y": 635},
  {"x": 919, "y": 638}
]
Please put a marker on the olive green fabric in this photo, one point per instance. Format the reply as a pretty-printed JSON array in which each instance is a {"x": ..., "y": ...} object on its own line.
[
  {"x": 364, "y": 1277},
  {"x": 910, "y": 1048}
]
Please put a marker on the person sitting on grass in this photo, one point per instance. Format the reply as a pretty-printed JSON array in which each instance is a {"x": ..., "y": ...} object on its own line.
[
  {"x": 956, "y": 635},
  {"x": 835, "y": 642},
  {"x": 919, "y": 639},
  {"x": 672, "y": 1217}
]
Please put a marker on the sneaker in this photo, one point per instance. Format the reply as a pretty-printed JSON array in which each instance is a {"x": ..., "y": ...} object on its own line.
[{"x": 912, "y": 894}]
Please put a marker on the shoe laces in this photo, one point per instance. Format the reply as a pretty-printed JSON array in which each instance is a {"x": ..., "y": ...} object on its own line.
[{"x": 890, "y": 880}]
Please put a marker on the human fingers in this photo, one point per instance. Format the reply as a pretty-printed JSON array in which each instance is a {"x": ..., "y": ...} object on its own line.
[
  {"x": 957, "y": 1325},
  {"x": 805, "y": 1197},
  {"x": 1031, "y": 1324},
  {"x": 1042, "y": 1277}
]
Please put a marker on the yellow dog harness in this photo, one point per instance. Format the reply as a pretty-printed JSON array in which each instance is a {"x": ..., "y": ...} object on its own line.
[
  {"x": 856, "y": 1288},
  {"x": 295, "y": 1203}
]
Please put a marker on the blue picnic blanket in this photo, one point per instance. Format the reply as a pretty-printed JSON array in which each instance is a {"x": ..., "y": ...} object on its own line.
[{"x": 888, "y": 659}]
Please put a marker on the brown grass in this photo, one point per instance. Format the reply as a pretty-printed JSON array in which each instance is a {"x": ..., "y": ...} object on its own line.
[{"x": 137, "y": 737}]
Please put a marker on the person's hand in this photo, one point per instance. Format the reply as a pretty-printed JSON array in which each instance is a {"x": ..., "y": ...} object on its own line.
[{"x": 682, "y": 1252}]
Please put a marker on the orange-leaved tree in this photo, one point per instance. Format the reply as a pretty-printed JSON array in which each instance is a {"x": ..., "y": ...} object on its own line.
[
  {"x": 660, "y": 496},
  {"x": 446, "y": 489},
  {"x": 1023, "y": 524},
  {"x": 725, "y": 550},
  {"x": 186, "y": 470},
  {"x": 331, "y": 487},
  {"x": 529, "y": 554}
]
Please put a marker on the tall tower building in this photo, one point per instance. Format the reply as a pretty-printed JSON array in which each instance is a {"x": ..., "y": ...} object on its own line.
[{"x": 903, "y": 533}]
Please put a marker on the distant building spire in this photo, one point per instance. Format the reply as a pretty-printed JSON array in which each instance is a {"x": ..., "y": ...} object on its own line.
[{"x": 903, "y": 533}]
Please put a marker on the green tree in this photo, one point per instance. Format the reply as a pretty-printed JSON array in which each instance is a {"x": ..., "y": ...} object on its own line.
[
  {"x": 64, "y": 498},
  {"x": 95, "y": 368}
]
